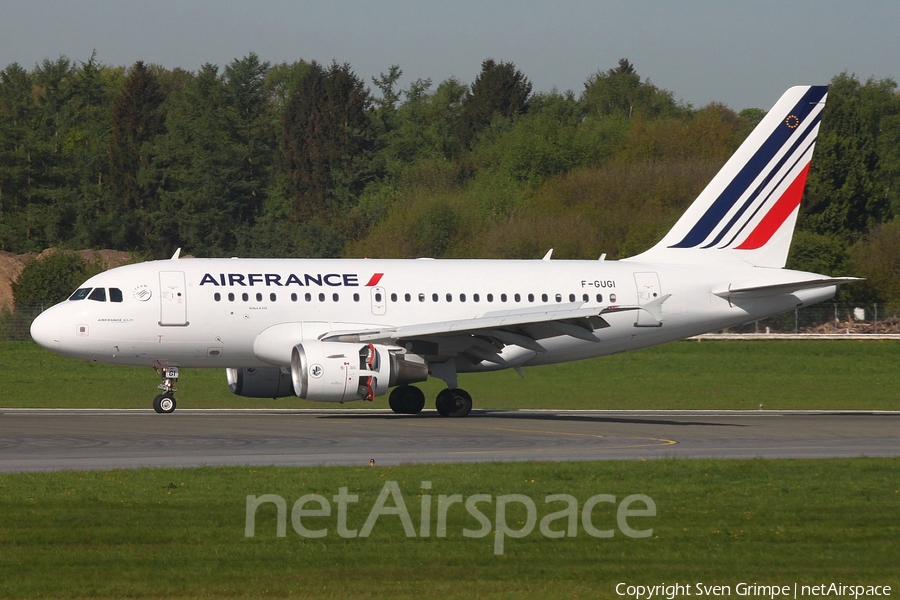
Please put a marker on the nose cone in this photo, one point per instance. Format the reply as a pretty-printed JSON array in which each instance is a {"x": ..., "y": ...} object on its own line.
[{"x": 46, "y": 329}]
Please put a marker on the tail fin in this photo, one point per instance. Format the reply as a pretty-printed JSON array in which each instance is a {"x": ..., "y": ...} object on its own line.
[{"x": 748, "y": 211}]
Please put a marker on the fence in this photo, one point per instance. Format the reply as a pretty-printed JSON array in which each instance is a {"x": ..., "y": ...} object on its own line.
[
  {"x": 827, "y": 317},
  {"x": 15, "y": 325}
]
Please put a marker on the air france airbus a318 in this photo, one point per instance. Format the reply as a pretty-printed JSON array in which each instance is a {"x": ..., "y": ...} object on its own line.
[{"x": 338, "y": 330}]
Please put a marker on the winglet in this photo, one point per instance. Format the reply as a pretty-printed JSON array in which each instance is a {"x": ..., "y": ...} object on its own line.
[{"x": 176, "y": 255}]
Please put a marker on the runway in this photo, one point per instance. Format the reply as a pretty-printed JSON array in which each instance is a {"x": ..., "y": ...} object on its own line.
[{"x": 87, "y": 439}]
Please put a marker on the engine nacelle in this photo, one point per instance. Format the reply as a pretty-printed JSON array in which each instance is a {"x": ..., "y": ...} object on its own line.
[
  {"x": 341, "y": 371},
  {"x": 270, "y": 382}
]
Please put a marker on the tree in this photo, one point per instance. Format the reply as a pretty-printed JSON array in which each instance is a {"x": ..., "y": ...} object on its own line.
[
  {"x": 499, "y": 90},
  {"x": 16, "y": 114},
  {"x": 326, "y": 141},
  {"x": 849, "y": 188},
  {"x": 620, "y": 92},
  {"x": 137, "y": 118},
  {"x": 85, "y": 144},
  {"x": 51, "y": 279}
]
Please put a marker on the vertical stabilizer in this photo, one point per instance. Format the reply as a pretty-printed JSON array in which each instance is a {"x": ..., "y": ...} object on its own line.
[{"x": 748, "y": 211}]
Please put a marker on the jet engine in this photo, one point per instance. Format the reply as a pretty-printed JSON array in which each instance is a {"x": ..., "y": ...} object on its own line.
[
  {"x": 342, "y": 371},
  {"x": 269, "y": 382}
]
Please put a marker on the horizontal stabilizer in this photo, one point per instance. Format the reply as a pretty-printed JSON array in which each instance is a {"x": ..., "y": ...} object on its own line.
[{"x": 763, "y": 291}]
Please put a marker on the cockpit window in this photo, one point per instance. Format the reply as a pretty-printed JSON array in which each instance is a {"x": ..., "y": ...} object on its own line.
[
  {"x": 115, "y": 295},
  {"x": 80, "y": 294},
  {"x": 99, "y": 294}
]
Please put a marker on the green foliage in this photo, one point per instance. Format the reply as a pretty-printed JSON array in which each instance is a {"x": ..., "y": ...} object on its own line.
[
  {"x": 132, "y": 206},
  {"x": 620, "y": 92},
  {"x": 848, "y": 190},
  {"x": 300, "y": 159},
  {"x": 877, "y": 258},
  {"x": 51, "y": 279},
  {"x": 817, "y": 253},
  {"x": 500, "y": 90}
]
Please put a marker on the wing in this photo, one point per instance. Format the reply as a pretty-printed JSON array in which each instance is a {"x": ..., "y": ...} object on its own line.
[{"x": 485, "y": 337}]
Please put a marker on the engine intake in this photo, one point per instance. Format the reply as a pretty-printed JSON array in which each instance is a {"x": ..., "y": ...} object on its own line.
[{"x": 341, "y": 371}]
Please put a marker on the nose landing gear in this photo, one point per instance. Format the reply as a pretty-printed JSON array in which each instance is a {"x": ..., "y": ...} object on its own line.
[{"x": 165, "y": 402}]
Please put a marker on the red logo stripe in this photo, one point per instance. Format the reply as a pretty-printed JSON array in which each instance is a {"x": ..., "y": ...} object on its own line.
[
  {"x": 777, "y": 215},
  {"x": 375, "y": 279}
]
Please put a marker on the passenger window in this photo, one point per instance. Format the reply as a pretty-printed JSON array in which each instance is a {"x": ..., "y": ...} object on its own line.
[
  {"x": 571, "y": 297},
  {"x": 449, "y": 297},
  {"x": 80, "y": 294},
  {"x": 336, "y": 297},
  {"x": 217, "y": 297},
  {"x": 115, "y": 295},
  {"x": 490, "y": 297},
  {"x": 259, "y": 296},
  {"x": 517, "y": 298},
  {"x": 421, "y": 297},
  {"x": 476, "y": 297},
  {"x": 502, "y": 297},
  {"x": 393, "y": 297},
  {"x": 462, "y": 297},
  {"x": 356, "y": 297},
  {"x": 434, "y": 297},
  {"x": 272, "y": 297},
  {"x": 99, "y": 294},
  {"x": 407, "y": 297},
  {"x": 293, "y": 297},
  {"x": 245, "y": 297},
  {"x": 230, "y": 297},
  {"x": 377, "y": 296},
  {"x": 585, "y": 298},
  {"x": 531, "y": 297},
  {"x": 559, "y": 297},
  {"x": 543, "y": 297},
  {"x": 308, "y": 297},
  {"x": 321, "y": 297},
  {"x": 599, "y": 297}
]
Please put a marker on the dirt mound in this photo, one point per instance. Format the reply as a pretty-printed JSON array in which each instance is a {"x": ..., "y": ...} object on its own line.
[
  {"x": 889, "y": 325},
  {"x": 11, "y": 266}
]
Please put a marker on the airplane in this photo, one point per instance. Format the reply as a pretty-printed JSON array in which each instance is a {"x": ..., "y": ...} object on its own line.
[{"x": 338, "y": 330}]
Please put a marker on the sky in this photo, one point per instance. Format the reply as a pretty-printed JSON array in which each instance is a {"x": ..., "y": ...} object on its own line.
[{"x": 742, "y": 53}]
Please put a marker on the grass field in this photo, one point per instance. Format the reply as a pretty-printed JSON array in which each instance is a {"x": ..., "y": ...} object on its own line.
[
  {"x": 709, "y": 375},
  {"x": 181, "y": 533}
]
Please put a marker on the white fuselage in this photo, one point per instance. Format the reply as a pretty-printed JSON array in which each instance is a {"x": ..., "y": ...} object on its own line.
[{"x": 212, "y": 312}]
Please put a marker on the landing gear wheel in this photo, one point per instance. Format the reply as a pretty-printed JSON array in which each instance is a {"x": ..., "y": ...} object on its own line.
[
  {"x": 453, "y": 403},
  {"x": 164, "y": 403},
  {"x": 407, "y": 400}
]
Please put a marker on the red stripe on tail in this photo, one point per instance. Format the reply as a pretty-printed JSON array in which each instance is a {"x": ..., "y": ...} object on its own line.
[{"x": 777, "y": 215}]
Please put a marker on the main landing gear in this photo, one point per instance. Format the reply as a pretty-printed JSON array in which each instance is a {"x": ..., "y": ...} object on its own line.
[
  {"x": 453, "y": 403},
  {"x": 409, "y": 400},
  {"x": 165, "y": 402}
]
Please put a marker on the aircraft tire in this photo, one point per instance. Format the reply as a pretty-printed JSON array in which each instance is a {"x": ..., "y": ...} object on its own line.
[
  {"x": 164, "y": 403},
  {"x": 407, "y": 400},
  {"x": 453, "y": 403}
]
